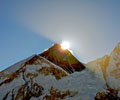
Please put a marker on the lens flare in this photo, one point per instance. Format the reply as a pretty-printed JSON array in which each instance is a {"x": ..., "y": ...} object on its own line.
[{"x": 65, "y": 45}]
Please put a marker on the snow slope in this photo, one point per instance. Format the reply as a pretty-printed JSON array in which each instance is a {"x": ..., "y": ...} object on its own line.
[{"x": 36, "y": 78}]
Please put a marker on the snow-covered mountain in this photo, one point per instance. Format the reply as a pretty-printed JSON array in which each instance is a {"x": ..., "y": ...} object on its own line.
[
  {"x": 38, "y": 79},
  {"x": 108, "y": 67},
  {"x": 55, "y": 75}
]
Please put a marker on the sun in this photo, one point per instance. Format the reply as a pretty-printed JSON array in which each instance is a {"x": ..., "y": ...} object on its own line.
[{"x": 65, "y": 45}]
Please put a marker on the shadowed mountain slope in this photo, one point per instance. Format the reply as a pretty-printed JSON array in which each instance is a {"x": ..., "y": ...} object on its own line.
[{"x": 63, "y": 58}]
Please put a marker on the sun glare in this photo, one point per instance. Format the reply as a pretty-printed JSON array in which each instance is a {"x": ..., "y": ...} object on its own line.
[{"x": 65, "y": 45}]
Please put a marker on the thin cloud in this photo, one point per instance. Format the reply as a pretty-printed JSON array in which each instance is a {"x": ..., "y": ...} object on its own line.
[{"x": 88, "y": 26}]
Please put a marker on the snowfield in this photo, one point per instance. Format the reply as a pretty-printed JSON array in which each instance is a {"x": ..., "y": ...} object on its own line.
[{"x": 83, "y": 85}]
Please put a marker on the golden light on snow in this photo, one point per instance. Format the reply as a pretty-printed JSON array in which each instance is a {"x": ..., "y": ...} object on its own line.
[{"x": 65, "y": 45}]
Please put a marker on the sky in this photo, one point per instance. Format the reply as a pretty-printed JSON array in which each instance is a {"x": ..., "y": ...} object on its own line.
[{"x": 28, "y": 27}]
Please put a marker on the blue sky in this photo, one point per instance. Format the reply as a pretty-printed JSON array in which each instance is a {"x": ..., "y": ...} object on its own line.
[
  {"x": 28, "y": 27},
  {"x": 17, "y": 43}
]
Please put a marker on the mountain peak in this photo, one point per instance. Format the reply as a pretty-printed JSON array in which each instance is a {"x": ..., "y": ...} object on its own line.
[
  {"x": 117, "y": 48},
  {"x": 59, "y": 48},
  {"x": 62, "y": 58},
  {"x": 118, "y": 44}
]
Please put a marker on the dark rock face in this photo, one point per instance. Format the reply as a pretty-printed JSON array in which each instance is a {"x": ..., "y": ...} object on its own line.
[
  {"x": 63, "y": 58},
  {"x": 109, "y": 94},
  {"x": 25, "y": 91}
]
